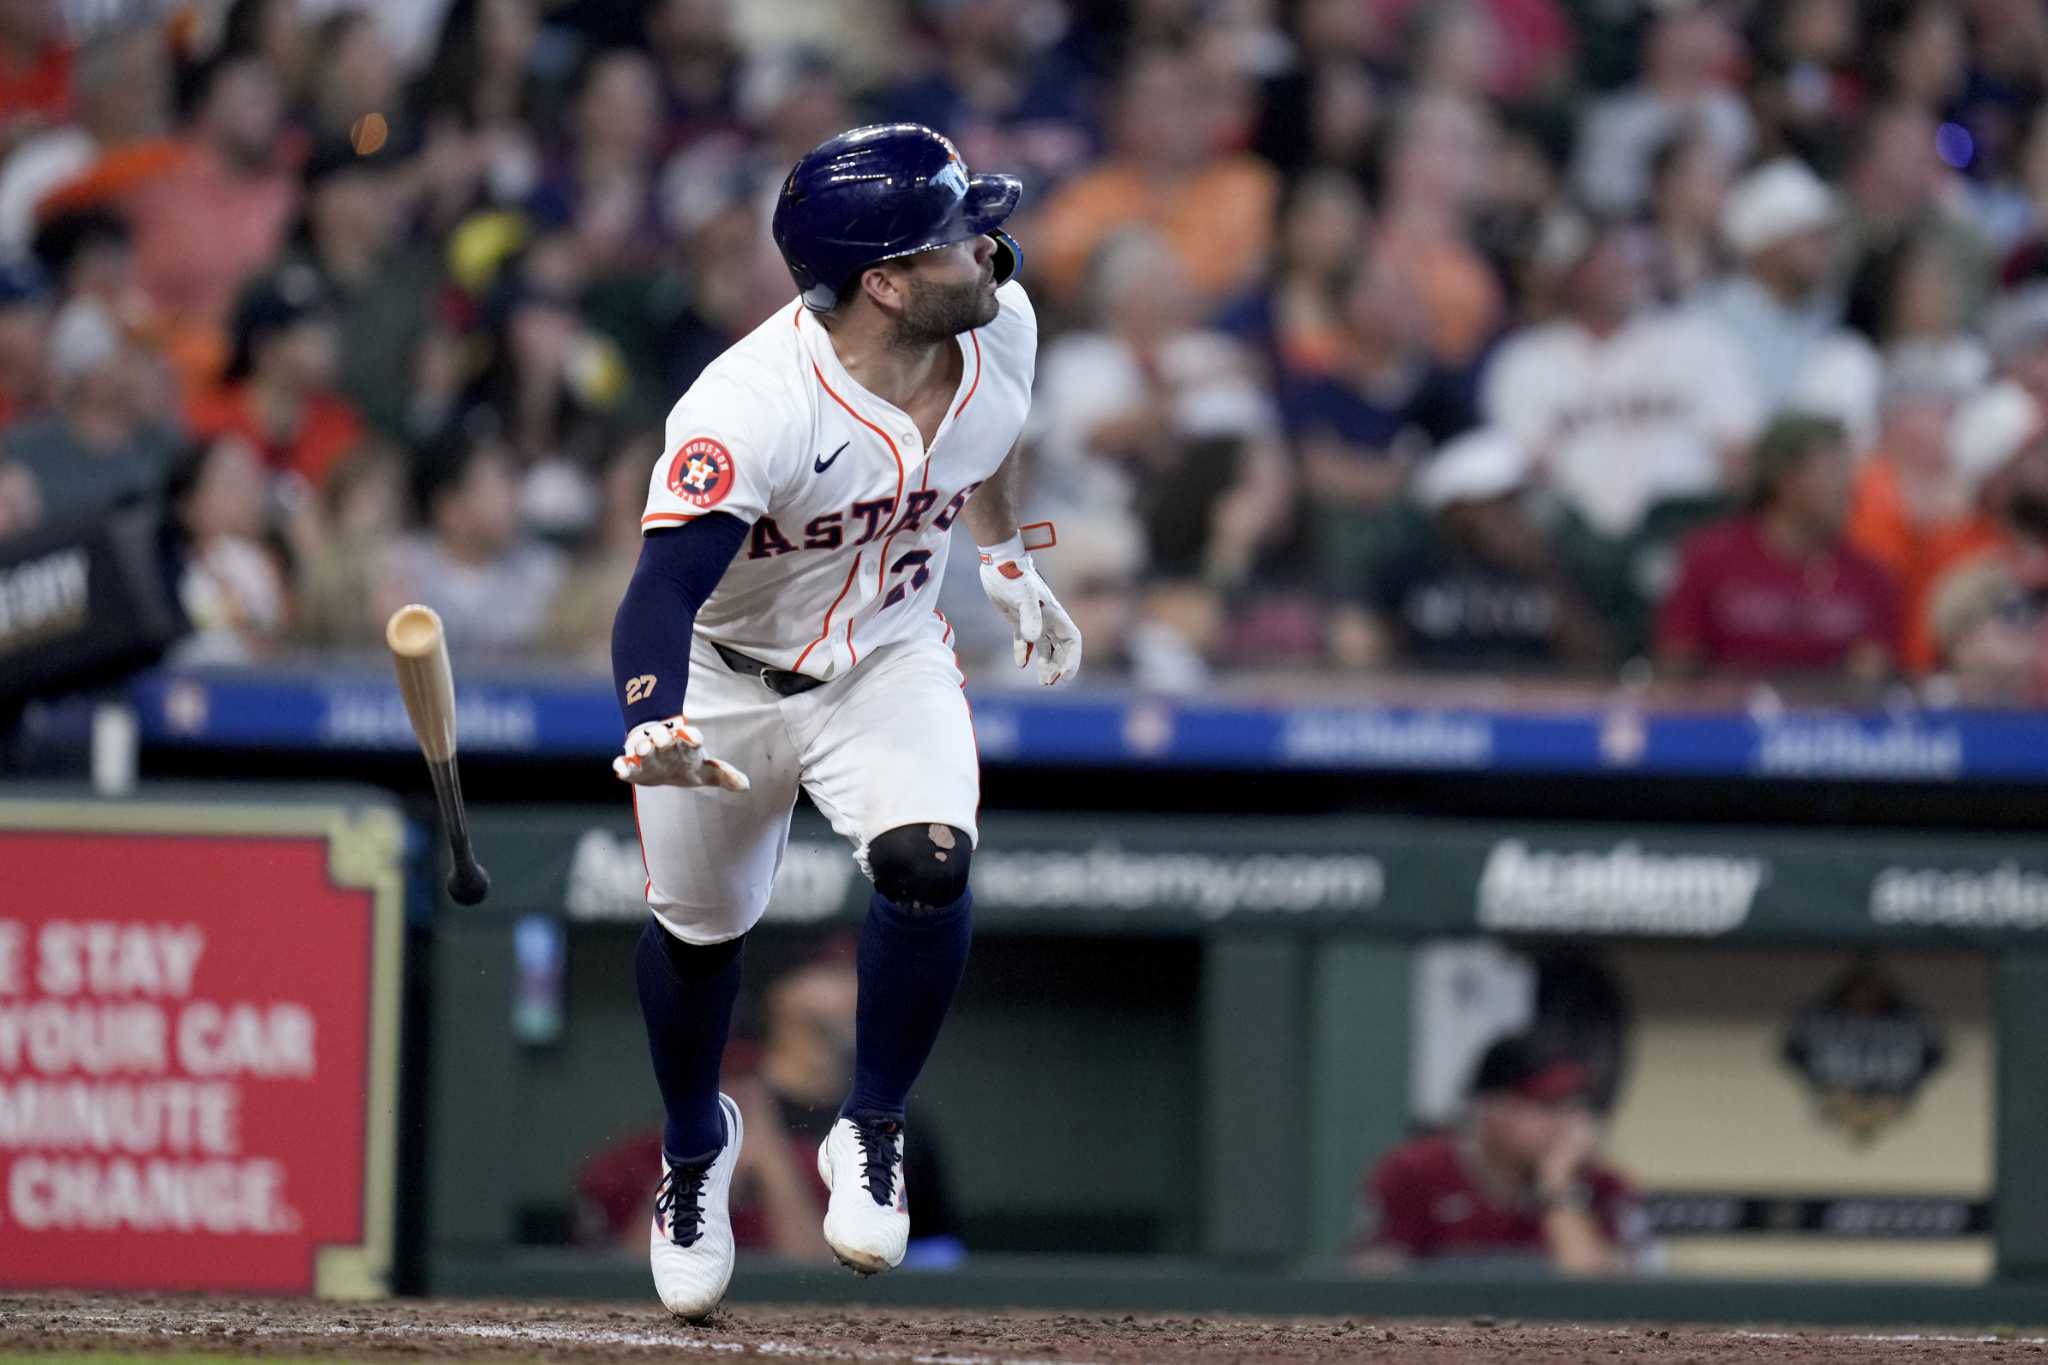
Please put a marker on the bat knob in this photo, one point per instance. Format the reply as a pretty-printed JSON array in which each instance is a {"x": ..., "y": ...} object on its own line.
[{"x": 468, "y": 883}]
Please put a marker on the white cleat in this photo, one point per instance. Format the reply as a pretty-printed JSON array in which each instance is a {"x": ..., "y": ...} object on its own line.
[
  {"x": 867, "y": 1222},
  {"x": 690, "y": 1242}
]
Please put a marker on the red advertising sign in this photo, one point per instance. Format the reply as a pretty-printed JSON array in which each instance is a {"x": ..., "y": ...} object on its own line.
[{"x": 194, "y": 1056}]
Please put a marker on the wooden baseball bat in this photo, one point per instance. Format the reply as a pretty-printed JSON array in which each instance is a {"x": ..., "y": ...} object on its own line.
[{"x": 419, "y": 652}]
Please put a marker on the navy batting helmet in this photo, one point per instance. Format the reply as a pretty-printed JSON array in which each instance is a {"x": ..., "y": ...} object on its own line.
[{"x": 876, "y": 193}]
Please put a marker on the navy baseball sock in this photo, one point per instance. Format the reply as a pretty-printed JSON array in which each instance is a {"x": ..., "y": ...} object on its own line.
[
  {"x": 910, "y": 964},
  {"x": 686, "y": 997}
]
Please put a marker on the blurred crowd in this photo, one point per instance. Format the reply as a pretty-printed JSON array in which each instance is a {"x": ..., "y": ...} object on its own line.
[{"x": 1486, "y": 335}]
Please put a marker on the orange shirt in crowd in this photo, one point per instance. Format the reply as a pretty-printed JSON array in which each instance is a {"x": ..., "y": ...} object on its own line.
[
  {"x": 1219, "y": 222},
  {"x": 1917, "y": 555},
  {"x": 1460, "y": 295},
  {"x": 328, "y": 430},
  {"x": 1308, "y": 341},
  {"x": 111, "y": 177},
  {"x": 202, "y": 228}
]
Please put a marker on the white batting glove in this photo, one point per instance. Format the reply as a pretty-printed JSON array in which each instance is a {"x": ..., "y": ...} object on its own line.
[
  {"x": 670, "y": 753},
  {"x": 1038, "y": 623}
]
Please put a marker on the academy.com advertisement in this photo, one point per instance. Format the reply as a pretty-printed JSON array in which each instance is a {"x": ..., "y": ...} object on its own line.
[{"x": 186, "y": 1057}]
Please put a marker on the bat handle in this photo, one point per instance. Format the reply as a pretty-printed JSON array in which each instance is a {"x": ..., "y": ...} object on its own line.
[{"x": 468, "y": 883}]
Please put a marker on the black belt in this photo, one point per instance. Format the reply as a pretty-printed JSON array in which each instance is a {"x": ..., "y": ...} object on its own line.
[{"x": 777, "y": 680}]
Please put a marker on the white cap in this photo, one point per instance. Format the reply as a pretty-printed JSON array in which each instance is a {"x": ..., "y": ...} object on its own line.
[
  {"x": 1989, "y": 429},
  {"x": 1481, "y": 464},
  {"x": 1563, "y": 237},
  {"x": 1844, "y": 380},
  {"x": 83, "y": 341},
  {"x": 1778, "y": 199},
  {"x": 557, "y": 498},
  {"x": 1951, "y": 369}
]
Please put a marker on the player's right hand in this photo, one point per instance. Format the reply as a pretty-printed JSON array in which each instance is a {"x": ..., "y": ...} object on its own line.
[{"x": 670, "y": 753}]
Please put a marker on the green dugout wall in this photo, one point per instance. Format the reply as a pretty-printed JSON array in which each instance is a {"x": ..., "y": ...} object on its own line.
[{"x": 1207, "y": 1073}]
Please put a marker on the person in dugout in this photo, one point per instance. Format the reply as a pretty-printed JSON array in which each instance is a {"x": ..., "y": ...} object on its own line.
[
  {"x": 1520, "y": 1175},
  {"x": 788, "y": 1085}
]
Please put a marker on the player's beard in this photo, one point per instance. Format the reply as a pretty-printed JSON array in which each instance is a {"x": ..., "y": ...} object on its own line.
[{"x": 940, "y": 312}]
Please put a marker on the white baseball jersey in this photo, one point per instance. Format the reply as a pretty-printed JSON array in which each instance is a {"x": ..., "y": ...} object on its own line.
[
  {"x": 1641, "y": 415},
  {"x": 851, "y": 513}
]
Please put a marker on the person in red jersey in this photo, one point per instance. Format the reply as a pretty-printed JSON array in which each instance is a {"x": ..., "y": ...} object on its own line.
[
  {"x": 1780, "y": 591},
  {"x": 1520, "y": 1176}
]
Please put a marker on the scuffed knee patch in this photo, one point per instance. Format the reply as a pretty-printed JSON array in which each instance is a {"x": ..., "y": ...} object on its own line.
[{"x": 921, "y": 868}]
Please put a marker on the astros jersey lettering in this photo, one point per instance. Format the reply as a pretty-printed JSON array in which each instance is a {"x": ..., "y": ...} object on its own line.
[{"x": 850, "y": 513}]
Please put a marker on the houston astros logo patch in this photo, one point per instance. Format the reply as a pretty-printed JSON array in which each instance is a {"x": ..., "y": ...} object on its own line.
[{"x": 701, "y": 472}]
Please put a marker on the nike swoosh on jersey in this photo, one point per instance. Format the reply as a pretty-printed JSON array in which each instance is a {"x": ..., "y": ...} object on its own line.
[{"x": 820, "y": 463}]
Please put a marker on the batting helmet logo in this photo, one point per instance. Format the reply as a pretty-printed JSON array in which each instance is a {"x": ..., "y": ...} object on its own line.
[{"x": 701, "y": 472}]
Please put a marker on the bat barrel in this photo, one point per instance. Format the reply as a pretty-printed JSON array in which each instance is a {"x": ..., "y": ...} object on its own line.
[
  {"x": 419, "y": 654},
  {"x": 414, "y": 631}
]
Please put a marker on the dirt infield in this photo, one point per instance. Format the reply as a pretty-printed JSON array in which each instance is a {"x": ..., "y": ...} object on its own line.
[{"x": 283, "y": 1329}]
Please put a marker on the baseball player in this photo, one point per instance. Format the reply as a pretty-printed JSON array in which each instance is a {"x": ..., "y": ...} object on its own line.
[{"x": 796, "y": 533}]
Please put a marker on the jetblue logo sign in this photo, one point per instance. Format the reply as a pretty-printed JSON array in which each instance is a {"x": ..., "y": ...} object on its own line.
[
  {"x": 1845, "y": 748},
  {"x": 1420, "y": 739}
]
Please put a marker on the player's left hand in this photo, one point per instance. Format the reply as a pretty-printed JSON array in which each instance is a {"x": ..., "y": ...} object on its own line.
[{"x": 1038, "y": 623}]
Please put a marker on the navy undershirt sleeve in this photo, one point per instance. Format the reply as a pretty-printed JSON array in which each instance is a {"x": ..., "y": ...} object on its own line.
[{"x": 651, "y": 633}]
